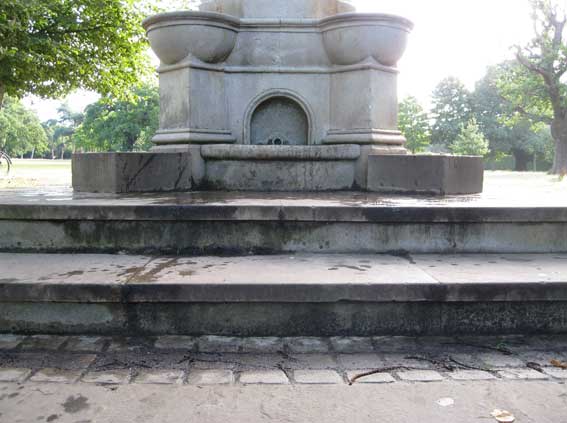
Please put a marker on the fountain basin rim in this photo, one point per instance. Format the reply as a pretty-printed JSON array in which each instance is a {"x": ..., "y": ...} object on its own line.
[
  {"x": 184, "y": 15},
  {"x": 168, "y": 18}
]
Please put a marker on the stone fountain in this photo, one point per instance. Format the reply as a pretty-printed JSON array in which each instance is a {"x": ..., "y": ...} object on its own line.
[{"x": 277, "y": 95}]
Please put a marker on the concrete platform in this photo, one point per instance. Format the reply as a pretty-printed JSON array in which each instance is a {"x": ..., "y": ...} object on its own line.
[
  {"x": 507, "y": 218},
  {"x": 284, "y": 295}
]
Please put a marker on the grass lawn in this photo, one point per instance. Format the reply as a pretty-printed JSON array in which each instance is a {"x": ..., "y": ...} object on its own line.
[{"x": 36, "y": 173}]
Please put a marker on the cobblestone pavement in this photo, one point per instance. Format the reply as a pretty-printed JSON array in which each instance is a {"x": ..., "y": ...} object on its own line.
[{"x": 212, "y": 360}]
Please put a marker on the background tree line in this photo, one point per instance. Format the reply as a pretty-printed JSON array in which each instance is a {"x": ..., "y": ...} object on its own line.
[{"x": 476, "y": 123}]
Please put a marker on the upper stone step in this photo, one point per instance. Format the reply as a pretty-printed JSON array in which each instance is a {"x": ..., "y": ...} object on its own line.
[{"x": 278, "y": 8}]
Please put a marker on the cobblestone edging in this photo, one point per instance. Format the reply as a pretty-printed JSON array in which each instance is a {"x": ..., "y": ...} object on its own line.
[{"x": 212, "y": 360}]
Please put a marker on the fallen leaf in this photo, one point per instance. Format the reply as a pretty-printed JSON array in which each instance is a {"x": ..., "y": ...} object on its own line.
[
  {"x": 446, "y": 402},
  {"x": 503, "y": 416},
  {"x": 559, "y": 364}
]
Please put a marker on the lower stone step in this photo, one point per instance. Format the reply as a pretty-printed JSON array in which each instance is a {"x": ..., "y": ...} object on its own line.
[
  {"x": 284, "y": 295},
  {"x": 248, "y": 223}
]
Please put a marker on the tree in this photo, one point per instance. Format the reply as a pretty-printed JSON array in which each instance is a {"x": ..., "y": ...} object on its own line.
[
  {"x": 20, "y": 130},
  {"x": 518, "y": 136},
  {"x": 470, "y": 141},
  {"x": 112, "y": 124},
  {"x": 414, "y": 124},
  {"x": 536, "y": 88},
  {"x": 51, "y": 47},
  {"x": 451, "y": 111}
]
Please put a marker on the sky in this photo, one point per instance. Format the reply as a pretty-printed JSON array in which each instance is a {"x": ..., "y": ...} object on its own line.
[{"x": 458, "y": 38}]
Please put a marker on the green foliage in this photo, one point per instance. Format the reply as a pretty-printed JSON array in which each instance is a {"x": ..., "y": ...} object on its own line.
[
  {"x": 470, "y": 141},
  {"x": 20, "y": 129},
  {"x": 451, "y": 111},
  {"x": 51, "y": 47},
  {"x": 535, "y": 87},
  {"x": 112, "y": 124},
  {"x": 414, "y": 124},
  {"x": 507, "y": 131}
]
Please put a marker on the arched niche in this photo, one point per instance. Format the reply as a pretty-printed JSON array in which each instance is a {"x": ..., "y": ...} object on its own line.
[{"x": 279, "y": 120}]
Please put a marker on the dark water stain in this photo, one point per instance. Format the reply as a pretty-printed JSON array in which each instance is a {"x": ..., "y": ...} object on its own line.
[
  {"x": 517, "y": 259},
  {"x": 71, "y": 274},
  {"x": 9, "y": 280},
  {"x": 187, "y": 273},
  {"x": 346, "y": 266},
  {"x": 52, "y": 418},
  {"x": 151, "y": 275},
  {"x": 75, "y": 404}
]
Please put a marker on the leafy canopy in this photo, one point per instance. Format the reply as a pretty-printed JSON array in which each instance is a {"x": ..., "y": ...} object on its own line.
[
  {"x": 451, "y": 110},
  {"x": 20, "y": 129},
  {"x": 535, "y": 86},
  {"x": 470, "y": 141},
  {"x": 51, "y": 47},
  {"x": 414, "y": 124},
  {"x": 506, "y": 130},
  {"x": 114, "y": 124}
]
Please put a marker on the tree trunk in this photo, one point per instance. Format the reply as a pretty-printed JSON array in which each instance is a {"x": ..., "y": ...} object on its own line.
[
  {"x": 559, "y": 133},
  {"x": 560, "y": 160},
  {"x": 2, "y": 92},
  {"x": 522, "y": 159}
]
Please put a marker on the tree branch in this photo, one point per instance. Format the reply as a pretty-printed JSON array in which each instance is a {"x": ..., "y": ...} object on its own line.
[{"x": 531, "y": 116}]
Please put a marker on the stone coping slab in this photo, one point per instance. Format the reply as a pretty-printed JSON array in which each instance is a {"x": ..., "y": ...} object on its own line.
[
  {"x": 63, "y": 204},
  {"x": 71, "y": 278},
  {"x": 266, "y": 152}
]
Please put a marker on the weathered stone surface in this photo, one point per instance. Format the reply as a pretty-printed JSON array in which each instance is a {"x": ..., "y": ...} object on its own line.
[
  {"x": 264, "y": 377},
  {"x": 8, "y": 342},
  {"x": 556, "y": 373},
  {"x": 347, "y": 345},
  {"x": 281, "y": 175},
  {"x": 496, "y": 360},
  {"x": 43, "y": 342},
  {"x": 523, "y": 373},
  {"x": 14, "y": 374},
  {"x": 159, "y": 377},
  {"x": 56, "y": 376},
  {"x": 211, "y": 377},
  {"x": 465, "y": 375},
  {"x": 360, "y": 361},
  {"x": 86, "y": 343},
  {"x": 441, "y": 175},
  {"x": 317, "y": 377},
  {"x": 111, "y": 377},
  {"x": 262, "y": 345},
  {"x": 218, "y": 344},
  {"x": 420, "y": 376},
  {"x": 307, "y": 345},
  {"x": 182, "y": 343},
  {"x": 131, "y": 172}
]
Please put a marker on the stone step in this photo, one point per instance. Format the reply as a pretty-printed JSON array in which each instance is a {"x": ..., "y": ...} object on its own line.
[
  {"x": 245, "y": 223},
  {"x": 284, "y": 295}
]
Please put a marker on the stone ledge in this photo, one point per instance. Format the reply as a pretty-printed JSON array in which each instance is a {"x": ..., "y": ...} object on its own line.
[
  {"x": 305, "y": 279},
  {"x": 131, "y": 172},
  {"x": 273, "y": 153},
  {"x": 437, "y": 175}
]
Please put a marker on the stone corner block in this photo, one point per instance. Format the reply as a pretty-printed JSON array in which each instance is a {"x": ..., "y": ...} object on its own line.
[
  {"x": 119, "y": 173},
  {"x": 424, "y": 174}
]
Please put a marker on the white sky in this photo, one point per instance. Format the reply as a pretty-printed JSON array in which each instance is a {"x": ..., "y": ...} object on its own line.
[{"x": 451, "y": 38}]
